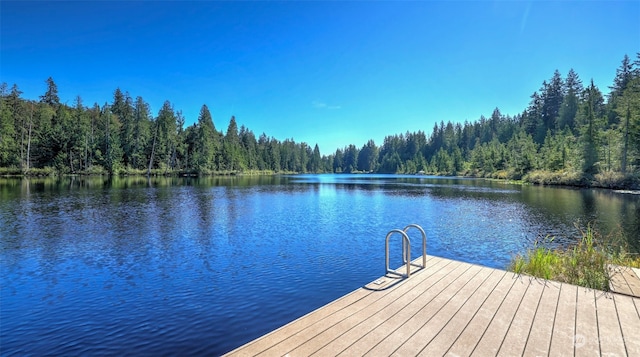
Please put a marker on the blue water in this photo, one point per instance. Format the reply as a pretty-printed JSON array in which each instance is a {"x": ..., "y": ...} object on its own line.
[{"x": 173, "y": 266}]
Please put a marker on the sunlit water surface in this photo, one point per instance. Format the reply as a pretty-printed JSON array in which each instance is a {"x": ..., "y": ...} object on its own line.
[{"x": 167, "y": 266}]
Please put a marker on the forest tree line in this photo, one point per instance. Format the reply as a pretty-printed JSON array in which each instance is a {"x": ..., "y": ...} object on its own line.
[
  {"x": 46, "y": 136},
  {"x": 570, "y": 132}
]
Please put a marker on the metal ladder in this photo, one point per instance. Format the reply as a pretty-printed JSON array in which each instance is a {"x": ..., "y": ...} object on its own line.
[{"x": 406, "y": 249}]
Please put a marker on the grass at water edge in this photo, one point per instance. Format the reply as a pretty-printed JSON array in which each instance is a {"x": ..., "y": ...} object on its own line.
[{"x": 584, "y": 264}]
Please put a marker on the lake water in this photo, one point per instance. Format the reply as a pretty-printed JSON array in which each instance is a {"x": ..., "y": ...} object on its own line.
[{"x": 173, "y": 266}]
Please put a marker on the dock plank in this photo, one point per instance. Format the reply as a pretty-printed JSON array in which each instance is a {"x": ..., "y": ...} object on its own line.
[
  {"x": 360, "y": 339},
  {"x": 401, "y": 334},
  {"x": 624, "y": 280},
  {"x": 564, "y": 326},
  {"x": 586, "y": 339},
  {"x": 629, "y": 323},
  {"x": 610, "y": 335},
  {"x": 393, "y": 320},
  {"x": 448, "y": 335},
  {"x": 516, "y": 339},
  {"x": 431, "y": 320},
  {"x": 633, "y": 281},
  {"x": 460, "y": 309},
  {"x": 467, "y": 341},
  {"x": 539, "y": 340},
  {"x": 495, "y": 333}
]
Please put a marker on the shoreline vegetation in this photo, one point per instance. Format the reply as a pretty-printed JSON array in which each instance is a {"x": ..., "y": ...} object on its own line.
[
  {"x": 609, "y": 180},
  {"x": 583, "y": 264},
  {"x": 100, "y": 171},
  {"x": 561, "y": 179},
  {"x": 570, "y": 134}
]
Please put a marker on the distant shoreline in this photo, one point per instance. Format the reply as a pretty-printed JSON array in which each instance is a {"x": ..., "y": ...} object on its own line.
[{"x": 625, "y": 185}]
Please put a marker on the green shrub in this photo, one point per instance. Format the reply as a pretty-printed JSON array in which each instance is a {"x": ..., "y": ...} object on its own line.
[
  {"x": 10, "y": 171},
  {"x": 563, "y": 177},
  {"x": 95, "y": 170},
  {"x": 45, "y": 171},
  {"x": 614, "y": 179}
]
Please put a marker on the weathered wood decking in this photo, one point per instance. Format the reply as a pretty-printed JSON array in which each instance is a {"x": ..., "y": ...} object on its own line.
[
  {"x": 625, "y": 280},
  {"x": 460, "y": 309}
]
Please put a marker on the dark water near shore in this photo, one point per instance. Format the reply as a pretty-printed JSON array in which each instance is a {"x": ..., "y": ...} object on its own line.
[{"x": 173, "y": 266}]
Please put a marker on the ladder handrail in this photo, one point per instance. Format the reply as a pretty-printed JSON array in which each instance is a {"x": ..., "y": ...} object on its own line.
[
  {"x": 424, "y": 242},
  {"x": 406, "y": 251}
]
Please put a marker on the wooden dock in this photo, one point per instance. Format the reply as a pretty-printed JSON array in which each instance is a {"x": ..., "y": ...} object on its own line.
[
  {"x": 459, "y": 309},
  {"x": 624, "y": 280}
]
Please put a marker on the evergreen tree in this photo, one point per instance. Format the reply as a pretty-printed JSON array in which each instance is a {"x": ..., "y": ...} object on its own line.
[
  {"x": 442, "y": 162},
  {"x": 21, "y": 112},
  {"x": 436, "y": 141},
  {"x": 206, "y": 145},
  {"x": 249, "y": 145},
  {"x": 43, "y": 141},
  {"x": 532, "y": 121},
  {"x": 467, "y": 138},
  {"x": 142, "y": 134},
  {"x": 327, "y": 163},
  {"x": 414, "y": 142},
  {"x": 274, "y": 149},
  {"x": 368, "y": 157},
  {"x": 76, "y": 125},
  {"x": 305, "y": 156},
  {"x": 93, "y": 141},
  {"x": 624, "y": 74},
  {"x": 553, "y": 152},
  {"x": 391, "y": 163},
  {"x": 231, "y": 147},
  {"x": 552, "y": 97},
  {"x": 590, "y": 121},
  {"x": 179, "y": 156},
  {"x": 25, "y": 151},
  {"x": 50, "y": 97},
  {"x": 289, "y": 155},
  {"x": 350, "y": 163},
  {"x": 338, "y": 161},
  {"x": 8, "y": 144},
  {"x": 636, "y": 66},
  {"x": 571, "y": 101},
  {"x": 316, "y": 161},
  {"x": 458, "y": 161},
  {"x": 628, "y": 110},
  {"x": 80, "y": 143},
  {"x": 167, "y": 131},
  {"x": 122, "y": 108},
  {"x": 264, "y": 153},
  {"x": 110, "y": 127},
  {"x": 523, "y": 153}
]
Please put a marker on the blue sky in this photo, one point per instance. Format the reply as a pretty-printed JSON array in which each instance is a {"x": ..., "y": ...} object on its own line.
[{"x": 327, "y": 72}]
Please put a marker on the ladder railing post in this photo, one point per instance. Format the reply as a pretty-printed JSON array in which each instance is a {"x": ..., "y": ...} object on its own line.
[
  {"x": 406, "y": 251},
  {"x": 424, "y": 242}
]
